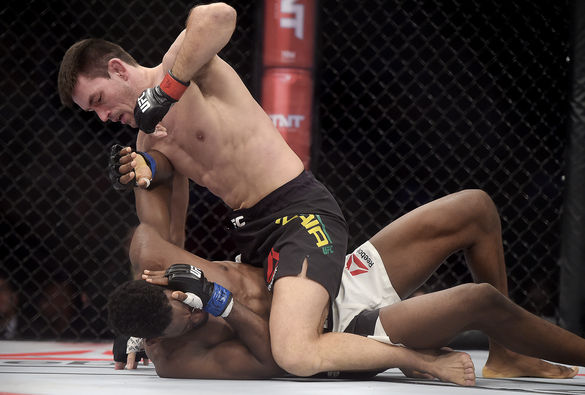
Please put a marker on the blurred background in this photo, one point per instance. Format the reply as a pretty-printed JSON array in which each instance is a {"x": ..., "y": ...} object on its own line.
[{"x": 408, "y": 101}]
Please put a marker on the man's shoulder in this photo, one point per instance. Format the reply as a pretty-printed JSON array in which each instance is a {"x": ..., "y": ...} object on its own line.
[{"x": 169, "y": 353}]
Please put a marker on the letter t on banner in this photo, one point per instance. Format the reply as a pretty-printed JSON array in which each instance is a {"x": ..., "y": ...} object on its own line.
[{"x": 288, "y": 62}]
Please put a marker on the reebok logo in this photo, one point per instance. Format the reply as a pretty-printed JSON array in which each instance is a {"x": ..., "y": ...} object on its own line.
[
  {"x": 355, "y": 266},
  {"x": 365, "y": 257}
]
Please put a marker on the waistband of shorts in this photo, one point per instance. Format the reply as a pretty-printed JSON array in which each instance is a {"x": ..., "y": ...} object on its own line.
[{"x": 281, "y": 197}]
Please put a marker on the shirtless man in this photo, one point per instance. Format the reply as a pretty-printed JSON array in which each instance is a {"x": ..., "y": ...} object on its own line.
[
  {"x": 409, "y": 249},
  {"x": 199, "y": 345},
  {"x": 217, "y": 135}
]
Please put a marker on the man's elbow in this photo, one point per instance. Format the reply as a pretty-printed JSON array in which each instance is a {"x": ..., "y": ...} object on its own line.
[
  {"x": 163, "y": 373},
  {"x": 226, "y": 12},
  {"x": 143, "y": 249},
  {"x": 218, "y": 14}
]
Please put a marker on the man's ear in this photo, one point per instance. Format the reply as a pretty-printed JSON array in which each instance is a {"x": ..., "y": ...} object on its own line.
[
  {"x": 199, "y": 317},
  {"x": 116, "y": 67}
]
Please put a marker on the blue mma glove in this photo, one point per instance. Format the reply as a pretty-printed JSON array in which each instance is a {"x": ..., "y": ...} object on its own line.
[{"x": 203, "y": 294}]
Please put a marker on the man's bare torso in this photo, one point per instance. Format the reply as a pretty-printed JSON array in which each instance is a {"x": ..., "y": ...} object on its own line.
[
  {"x": 219, "y": 137},
  {"x": 170, "y": 354},
  {"x": 247, "y": 285}
]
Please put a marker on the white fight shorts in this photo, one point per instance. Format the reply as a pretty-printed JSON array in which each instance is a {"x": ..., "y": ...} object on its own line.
[{"x": 364, "y": 286}]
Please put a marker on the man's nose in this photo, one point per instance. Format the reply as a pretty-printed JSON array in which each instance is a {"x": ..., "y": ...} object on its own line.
[{"x": 103, "y": 115}]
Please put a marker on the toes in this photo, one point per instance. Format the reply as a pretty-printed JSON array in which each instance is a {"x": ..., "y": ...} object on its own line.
[
  {"x": 573, "y": 372},
  {"x": 564, "y": 372}
]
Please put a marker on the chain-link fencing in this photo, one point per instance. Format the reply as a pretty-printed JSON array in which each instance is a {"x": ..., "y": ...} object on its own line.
[{"x": 415, "y": 100}]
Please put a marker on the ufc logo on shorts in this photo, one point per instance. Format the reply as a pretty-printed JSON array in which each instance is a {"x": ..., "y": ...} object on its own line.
[
  {"x": 297, "y": 21},
  {"x": 143, "y": 102},
  {"x": 238, "y": 223}
]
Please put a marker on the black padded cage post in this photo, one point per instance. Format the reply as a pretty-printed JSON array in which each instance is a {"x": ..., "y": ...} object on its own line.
[{"x": 572, "y": 259}]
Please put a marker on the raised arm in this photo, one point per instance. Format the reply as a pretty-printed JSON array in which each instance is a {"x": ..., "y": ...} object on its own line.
[
  {"x": 209, "y": 28},
  {"x": 161, "y": 208}
]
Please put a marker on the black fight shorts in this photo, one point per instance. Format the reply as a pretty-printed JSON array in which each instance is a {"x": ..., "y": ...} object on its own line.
[{"x": 299, "y": 220}]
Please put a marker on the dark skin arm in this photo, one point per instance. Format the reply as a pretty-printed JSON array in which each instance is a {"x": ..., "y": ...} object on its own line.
[
  {"x": 164, "y": 204},
  {"x": 152, "y": 208},
  {"x": 154, "y": 211},
  {"x": 151, "y": 248},
  {"x": 230, "y": 360},
  {"x": 247, "y": 357},
  {"x": 253, "y": 331},
  {"x": 162, "y": 207}
]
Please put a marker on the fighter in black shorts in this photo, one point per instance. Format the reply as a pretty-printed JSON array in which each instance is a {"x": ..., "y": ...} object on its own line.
[
  {"x": 299, "y": 220},
  {"x": 407, "y": 251}
]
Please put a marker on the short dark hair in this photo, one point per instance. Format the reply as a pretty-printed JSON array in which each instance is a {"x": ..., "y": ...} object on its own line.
[
  {"x": 90, "y": 58},
  {"x": 140, "y": 309}
]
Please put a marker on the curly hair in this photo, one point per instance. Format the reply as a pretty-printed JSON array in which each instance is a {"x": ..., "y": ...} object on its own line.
[
  {"x": 140, "y": 309},
  {"x": 90, "y": 58}
]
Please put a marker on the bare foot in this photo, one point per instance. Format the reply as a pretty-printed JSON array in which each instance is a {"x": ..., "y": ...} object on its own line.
[
  {"x": 451, "y": 366},
  {"x": 510, "y": 364},
  {"x": 417, "y": 374}
]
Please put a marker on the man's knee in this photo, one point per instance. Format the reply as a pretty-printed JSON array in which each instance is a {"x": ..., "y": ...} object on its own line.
[
  {"x": 485, "y": 303},
  {"x": 299, "y": 360},
  {"x": 294, "y": 348},
  {"x": 482, "y": 209},
  {"x": 482, "y": 292},
  {"x": 299, "y": 307}
]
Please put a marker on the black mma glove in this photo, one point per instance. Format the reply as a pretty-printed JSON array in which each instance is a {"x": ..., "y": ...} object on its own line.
[
  {"x": 201, "y": 294},
  {"x": 154, "y": 103},
  {"x": 122, "y": 348},
  {"x": 114, "y": 168}
]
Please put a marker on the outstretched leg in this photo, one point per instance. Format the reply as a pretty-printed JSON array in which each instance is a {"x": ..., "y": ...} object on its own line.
[
  {"x": 413, "y": 247},
  {"x": 431, "y": 320},
  {"x": 299, "y": 307}
]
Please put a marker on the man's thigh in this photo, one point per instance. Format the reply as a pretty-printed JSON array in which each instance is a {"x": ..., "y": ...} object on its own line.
[
  {"x": 414, "y": 245},
  {"x": 299, "y": 308}
]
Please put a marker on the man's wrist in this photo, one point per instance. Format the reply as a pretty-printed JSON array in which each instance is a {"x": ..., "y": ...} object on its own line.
[
  {"x": 219, "y": 301},
  {"x": 228, "y": 309},
  {"x": 187, "y": 83},
  {"x": 150, "y": 162},
  {"x": 173, "y": 87}
]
